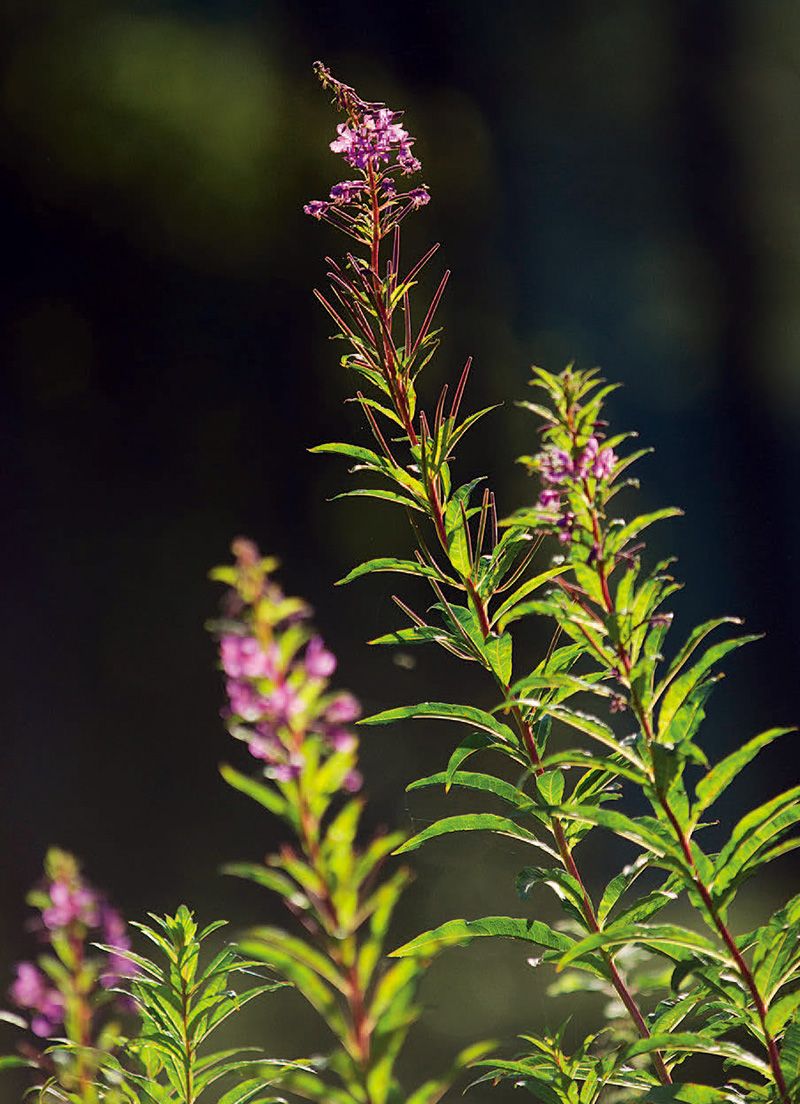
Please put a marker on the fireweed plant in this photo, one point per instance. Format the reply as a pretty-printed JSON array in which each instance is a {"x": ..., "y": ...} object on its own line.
[
  {"x": 683, "y": 990},
  {"x": 182, "y": 998},
  {"x": 168, "y": 1006},
  {"x": 282, "y": 707},
  {"x": 71, "y": 993}
]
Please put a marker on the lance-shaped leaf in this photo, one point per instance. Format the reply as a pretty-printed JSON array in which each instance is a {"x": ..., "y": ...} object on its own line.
[
  {"x": 486, "y": 783},
  {"x": 644, "y": 831},
  {"x": 619, "y": 537},
  {"x": 445, "y": 711},
  {"x": 693, "y": 641},
  {"x": 526, "y": 588},
  {"x": 583, "y": 722},
  {"x": 668, "y": 938},
  {"x": 266, "y": 795},
  {"x": 680, "y": 689},
  {"x": 399, "y": 567},
  {"x": 480, "y": 741},
  {"x": 373, "y": 462},
  {"x": 475, "y": 822},
  {"x": 754, "y": 832},
  {"x": 261, "y": 942},
  {"x": 689, "y": 1043},
  {"x": 459, "y": 933},
  {"x": 718, "y": 779},
  {"x": 386, "y": 496}
]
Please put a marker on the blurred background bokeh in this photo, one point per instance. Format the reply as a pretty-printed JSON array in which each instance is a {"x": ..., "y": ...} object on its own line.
[{"x": 616, "y": 182}]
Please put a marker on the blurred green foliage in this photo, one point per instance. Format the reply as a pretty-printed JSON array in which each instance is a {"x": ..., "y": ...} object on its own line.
[{"x": 613, "y": 182}]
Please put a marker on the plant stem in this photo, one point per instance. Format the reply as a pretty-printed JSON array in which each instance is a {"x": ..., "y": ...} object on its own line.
[
  {"x": 645, "y": 720},
  {"x": 188, "y": 1056},
  {"x": 355, "y": 997},
  {"x": 393, "y": 377}
]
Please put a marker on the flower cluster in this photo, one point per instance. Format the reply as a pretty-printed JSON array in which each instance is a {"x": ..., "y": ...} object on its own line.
[
  {"x": 375, "y": 139},
  {"x": 559, "y": 469},
  {"x": 33, "y": 993},
  {"x": 277, "y": 675},
  {"x": 71, "y": 915},
  {"x": 374, "y": 142}
]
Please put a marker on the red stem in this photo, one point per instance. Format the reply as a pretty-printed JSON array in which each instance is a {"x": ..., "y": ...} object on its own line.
[
  {"x": 683, "y": 840},
  {"x": 397, "y": 390}
]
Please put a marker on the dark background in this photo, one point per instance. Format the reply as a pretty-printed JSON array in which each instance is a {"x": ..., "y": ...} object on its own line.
[{"x": 614, "y": 182}]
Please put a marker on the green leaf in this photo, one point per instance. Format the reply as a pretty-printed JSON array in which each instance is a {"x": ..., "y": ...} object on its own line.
[
  {"x": 679, "y": 689},
  {"x": 459, "y": 933},
  {"x": 387, "y": 564},
  {"x": 782, "y": 1011},
  {"x": 688, "y": 1042},
  {"x": 527, "y": 588},
  {"x": 790, "y": 1053},
  {"x": 667, "y": 937},
  {"x": 613, "y": 765},
  {"x": 645, "y": 832},
  {"x": 550, "y": 786},
  {"x": 618, "y": 886},
  {"x": 458, "y": 545},
  {"x": 693, "y": 641},
  {"x": 476, "y": 781},
  {"x": 479, "y": 741},
  {"x": 619, "y": 537},
  {"x": 718, "y": 779},
  {"x": 498, "y": 650},
  {"x": 583, "y": 722},
  {"x": 474, "y": 822},
  {"x": 565, "y": 887},
  {"x": 11, "y": 1061},
  {"x": 386, "y": 496},
  {"x": 262, "y": 941},
  {"x": 420, "y": 634},
  {"x": 269, "y": 879},
  {"x": 753, "y": 832},
  {"x": 265, "y": 795},
  {"x": 444, "y": 711}
]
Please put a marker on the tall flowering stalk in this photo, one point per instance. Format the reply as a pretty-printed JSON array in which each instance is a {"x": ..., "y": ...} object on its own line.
[
  {"x": 481, "y": 578},
  {"x": 612, "y": 608},
  {"x": 71, "y": 992},
  {"x": 282, "y": 707}
]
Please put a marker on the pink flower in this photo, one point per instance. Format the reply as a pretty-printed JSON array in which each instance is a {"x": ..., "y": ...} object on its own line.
[
  {"x": 419, "y": 197},
  {"x": 29, "y": 988},
  {"x": 343, "y": 709},
  {"x": 69, "y": 905},
  {"x": 316, "y": 208},
  {"x": 374, "y": 139},
  {"x": 318, "y": 661},
  {"x": 555, "y": 465},
  {"x": 283, "y": 704},
  {"x": 341, "y": 740},
  {"x": 550, "y": 499},
  {"x": 353, "y": 781},
  {"x": 264, "y": 744},
  {"x": 243, "y": 657},
  {"x": 245, "y": 700},
  {"x": 346, "y": 191},
  {"x": 605, "y": 463},
  {"x": 288, "y": 772}
]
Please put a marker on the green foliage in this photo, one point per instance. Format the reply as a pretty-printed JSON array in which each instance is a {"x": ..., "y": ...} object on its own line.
[
  {"x": 70, "y": 1014},
  {"x": 182, "y": 1001},
  {"x": 692, "y": 987},
  {"x": 333, "y": 883}
]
